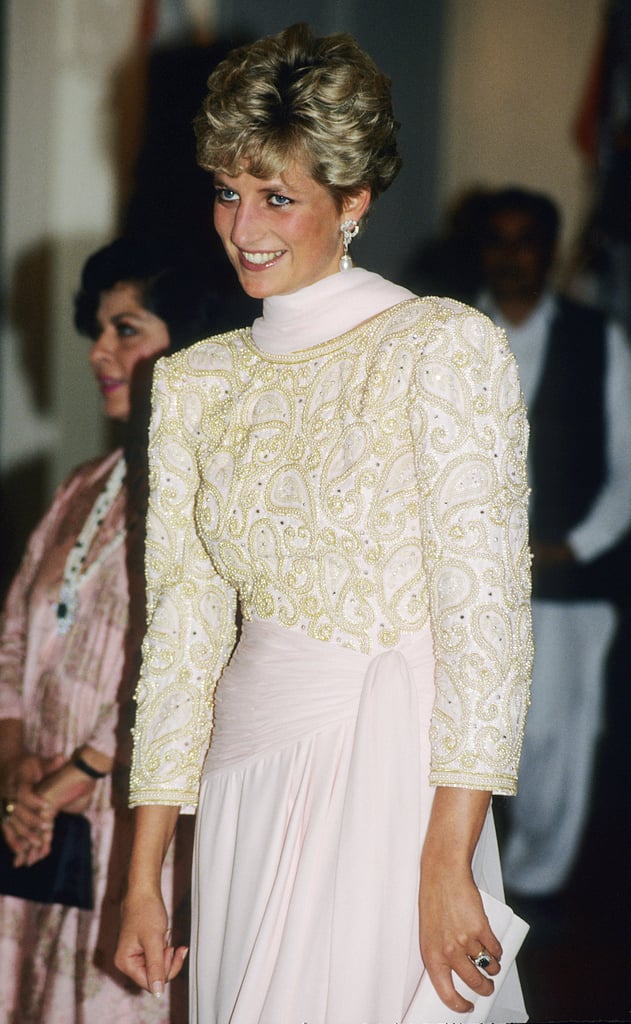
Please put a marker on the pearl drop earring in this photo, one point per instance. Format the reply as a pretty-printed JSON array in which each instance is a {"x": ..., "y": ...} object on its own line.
[{"x": 349, "y": 229}]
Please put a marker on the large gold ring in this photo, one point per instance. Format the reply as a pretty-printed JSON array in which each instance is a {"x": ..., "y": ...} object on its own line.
[{"x": 8, "y": 807}]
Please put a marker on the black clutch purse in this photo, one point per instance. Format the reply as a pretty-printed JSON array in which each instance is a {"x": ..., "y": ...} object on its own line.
[{"x": 64, "y": 876}]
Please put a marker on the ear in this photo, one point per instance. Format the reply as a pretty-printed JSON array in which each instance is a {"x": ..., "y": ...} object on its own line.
[{"x": 355, "y": 206}]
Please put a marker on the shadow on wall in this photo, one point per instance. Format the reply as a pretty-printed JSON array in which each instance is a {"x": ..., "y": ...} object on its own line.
[
  {"x": 162, "y": 189},
  {"x": 23, "y": 487},
  {"x": 29, "y": 313}
]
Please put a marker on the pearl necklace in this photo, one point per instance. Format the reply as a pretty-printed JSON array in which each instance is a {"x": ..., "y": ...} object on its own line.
[{"x": 74, "y": 578}]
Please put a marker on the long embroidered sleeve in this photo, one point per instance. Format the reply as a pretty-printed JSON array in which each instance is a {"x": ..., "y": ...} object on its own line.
[
  {"x": 190, "y": 610},
  {"x": 471, "y": 440},
  {"x": 354, "y": 490}
]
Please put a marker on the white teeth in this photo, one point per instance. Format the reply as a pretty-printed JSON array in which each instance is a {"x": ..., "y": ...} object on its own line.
[{"x": 262, "y": 257}]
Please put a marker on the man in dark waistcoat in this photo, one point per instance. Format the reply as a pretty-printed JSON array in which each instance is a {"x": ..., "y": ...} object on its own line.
[{"x": 575, "y": 369}]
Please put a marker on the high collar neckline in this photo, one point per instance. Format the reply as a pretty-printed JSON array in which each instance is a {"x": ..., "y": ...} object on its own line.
[{"x": 324, "y": 310}]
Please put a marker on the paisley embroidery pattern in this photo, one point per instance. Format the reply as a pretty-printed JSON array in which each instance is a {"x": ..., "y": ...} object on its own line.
[{"x": 351, "y": 490}]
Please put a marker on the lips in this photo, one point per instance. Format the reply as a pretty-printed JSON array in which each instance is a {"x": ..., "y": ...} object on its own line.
[
  {"x": 107, "y": 385},
  {"x": 259, "y": 260}
]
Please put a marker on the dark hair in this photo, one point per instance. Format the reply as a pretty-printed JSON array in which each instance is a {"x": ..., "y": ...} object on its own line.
[
  {"x": 540, "y": 207},
  {"x": 175, "y": 284}
]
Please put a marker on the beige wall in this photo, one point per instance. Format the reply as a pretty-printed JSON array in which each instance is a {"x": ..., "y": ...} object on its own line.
[
  {"x": 59, "y": 201},
  {"x": 513, "y": 76}
]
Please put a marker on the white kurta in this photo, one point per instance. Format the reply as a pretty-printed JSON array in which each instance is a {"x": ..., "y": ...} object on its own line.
[{"x": 572, "y": 641}]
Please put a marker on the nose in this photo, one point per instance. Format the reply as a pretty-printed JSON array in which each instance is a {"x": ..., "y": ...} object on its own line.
[
  {"x": 102, "y": 347},
  {"x": 246, "y": 225}
]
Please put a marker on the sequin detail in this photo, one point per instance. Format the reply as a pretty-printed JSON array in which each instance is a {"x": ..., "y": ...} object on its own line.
[{"x": 353, "y": 491}]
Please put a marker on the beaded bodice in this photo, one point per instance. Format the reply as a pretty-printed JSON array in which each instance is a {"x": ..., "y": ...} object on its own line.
[{"x": 355, "y": 491}]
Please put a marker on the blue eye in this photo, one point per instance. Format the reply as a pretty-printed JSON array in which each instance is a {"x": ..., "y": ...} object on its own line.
[
  {"x": 226, "y": 195},
  {"x": 276, "y": 199},
  {"x": 125, "y": 330}
]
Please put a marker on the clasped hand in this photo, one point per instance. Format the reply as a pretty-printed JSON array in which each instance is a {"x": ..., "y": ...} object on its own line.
[
  {"x": 28, "y": 829},
  {"x": 38, "y": 788}
]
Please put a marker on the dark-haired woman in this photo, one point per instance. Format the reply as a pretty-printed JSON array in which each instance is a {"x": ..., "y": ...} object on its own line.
[
  {"x": 352, "y": 470},
  {"x": 69, "y": 642}
]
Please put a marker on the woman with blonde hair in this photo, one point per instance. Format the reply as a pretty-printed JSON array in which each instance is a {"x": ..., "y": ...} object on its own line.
[{"x": 350, "y": 472}]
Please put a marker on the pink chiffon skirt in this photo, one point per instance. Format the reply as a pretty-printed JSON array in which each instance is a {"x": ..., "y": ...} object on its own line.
[{"x": 313, "y": 806}]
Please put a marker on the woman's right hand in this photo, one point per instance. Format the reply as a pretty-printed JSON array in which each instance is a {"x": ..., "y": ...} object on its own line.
[{"x": 144, "y": 952}]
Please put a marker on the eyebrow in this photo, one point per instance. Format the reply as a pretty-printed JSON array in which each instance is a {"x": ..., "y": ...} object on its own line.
[
  {"x": 117, "y": 318},
  {"x": 271, "y": 185},
  {"x": 137, "y": 314}
]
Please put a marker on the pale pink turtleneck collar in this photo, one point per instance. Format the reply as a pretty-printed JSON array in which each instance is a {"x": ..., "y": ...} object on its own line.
[{"x": 323, "y": 310}]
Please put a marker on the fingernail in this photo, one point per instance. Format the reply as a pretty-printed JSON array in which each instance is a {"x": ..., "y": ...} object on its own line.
[
  {"x": 184, "y": 956},
  {"x": 157, "y": 989}
]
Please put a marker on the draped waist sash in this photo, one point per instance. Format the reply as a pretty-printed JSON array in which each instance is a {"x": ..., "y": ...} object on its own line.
[{"x": 282, "y": 686}]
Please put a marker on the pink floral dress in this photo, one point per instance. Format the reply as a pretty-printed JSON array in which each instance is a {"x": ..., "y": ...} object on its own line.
[{"x": 70, "y": 689}]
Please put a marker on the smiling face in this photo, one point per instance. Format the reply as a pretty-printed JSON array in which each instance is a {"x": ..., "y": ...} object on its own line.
[
  {"x": 127, "y": 334},
  {"x": 281, "y": 233}
]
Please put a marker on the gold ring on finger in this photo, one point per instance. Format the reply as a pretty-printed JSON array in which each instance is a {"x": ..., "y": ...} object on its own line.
[
  {"x": 482, "y": 960},
  {"x": 8, "y": 807}
]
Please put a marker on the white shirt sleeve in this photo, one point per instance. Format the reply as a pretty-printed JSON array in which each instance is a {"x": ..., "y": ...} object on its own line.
[{"x": 610, "y": 515}]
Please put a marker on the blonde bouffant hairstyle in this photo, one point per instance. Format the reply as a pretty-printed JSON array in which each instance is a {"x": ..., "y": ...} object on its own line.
[{"x": 299, "y": 97}]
